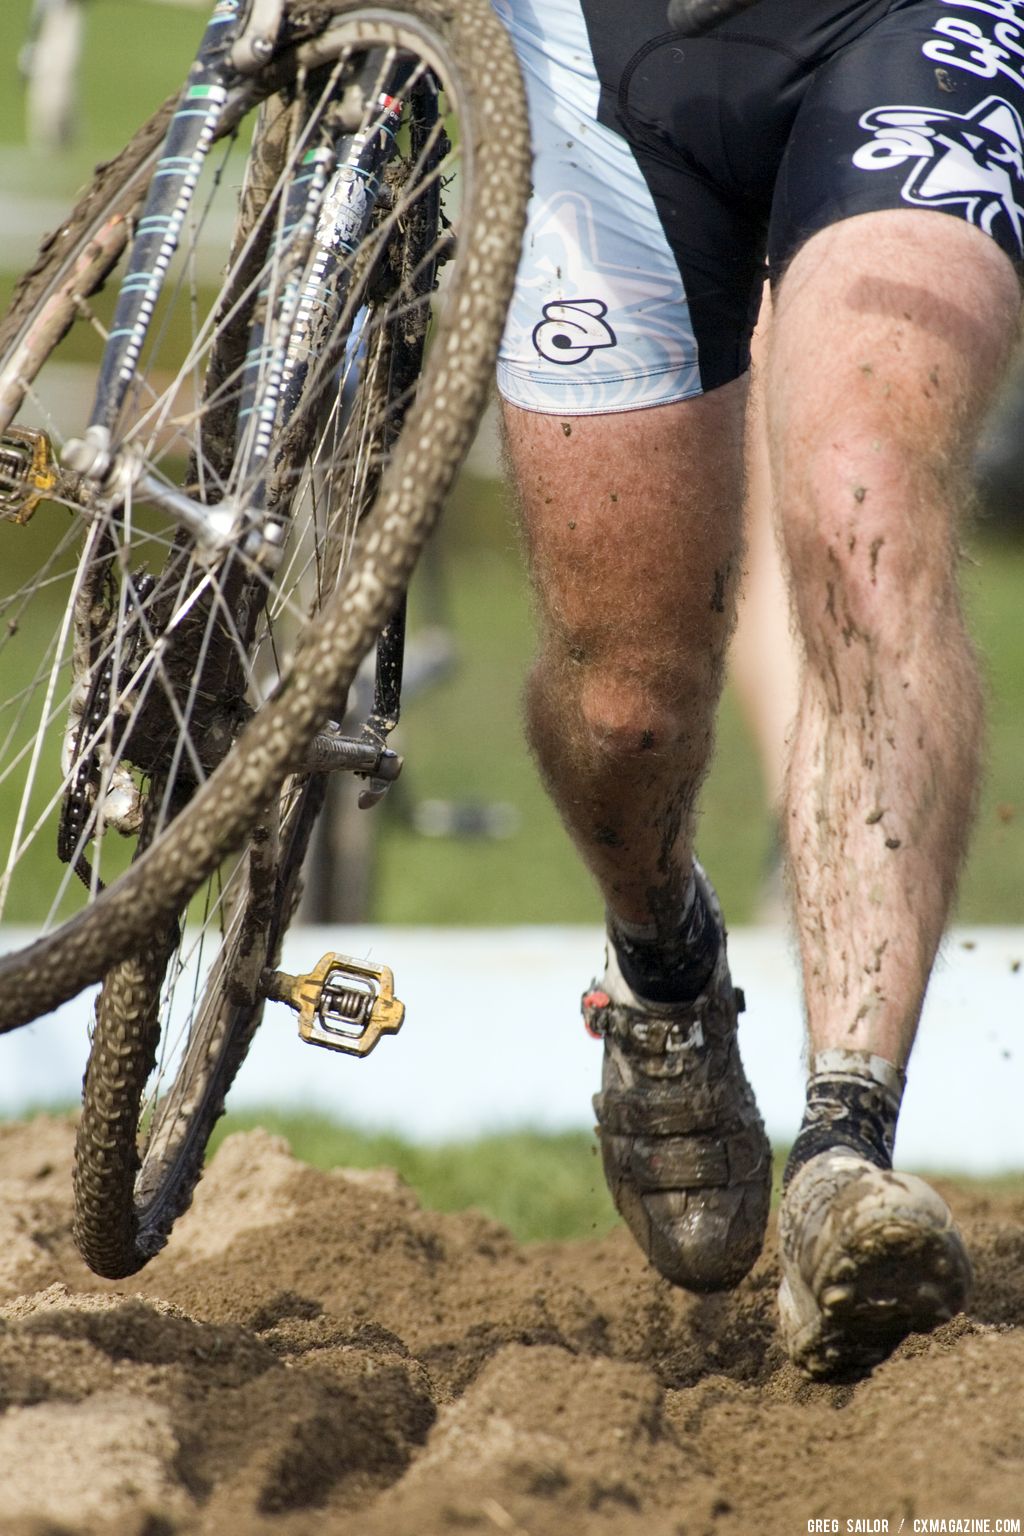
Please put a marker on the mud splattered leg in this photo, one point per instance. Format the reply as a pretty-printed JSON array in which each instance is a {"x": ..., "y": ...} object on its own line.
[
  {"x": 891, "y": 333},
  {"x": 632, "y": 525}
]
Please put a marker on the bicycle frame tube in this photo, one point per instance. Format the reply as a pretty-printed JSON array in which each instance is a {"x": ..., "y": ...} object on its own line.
[{"x": 191, "y": 132}]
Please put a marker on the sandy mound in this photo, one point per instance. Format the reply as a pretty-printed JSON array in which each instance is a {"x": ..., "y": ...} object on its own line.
[{"x": 314, "y": 1352}]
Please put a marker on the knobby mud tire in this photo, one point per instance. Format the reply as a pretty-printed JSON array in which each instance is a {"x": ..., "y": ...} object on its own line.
[
  {"x": 117, "y": 1228},
  {"x": 481, "y": 68},
  {"x": 124, "y": 1050}
]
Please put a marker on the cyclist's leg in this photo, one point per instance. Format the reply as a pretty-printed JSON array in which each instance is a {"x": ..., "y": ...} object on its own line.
[
  {"x": 893, "y": 330},
  {"x": 632, "y": 524},
  {"x": 873, "y": 434},
  {"x": 872, "y": 445},
  {"x": 625, "y": 423},
  {"x": 893, "y": 326},
  {"x": 632, "y": 528},
  {"x": 625, "y": 417}
]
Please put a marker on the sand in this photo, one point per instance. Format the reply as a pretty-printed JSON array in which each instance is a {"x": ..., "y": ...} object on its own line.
[{"x": 313, "y": 1352}]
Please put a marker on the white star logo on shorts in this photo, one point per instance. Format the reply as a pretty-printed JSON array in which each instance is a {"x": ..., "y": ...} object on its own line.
[{"x": 974, "y": 160}]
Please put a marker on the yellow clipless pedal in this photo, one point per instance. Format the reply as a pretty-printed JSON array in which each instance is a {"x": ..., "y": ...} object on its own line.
[{"x": 343, "y": 1005}]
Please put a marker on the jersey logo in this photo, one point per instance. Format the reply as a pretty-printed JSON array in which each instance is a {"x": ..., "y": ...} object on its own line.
[
  {"x": 570, "y": 332},
  {"x": 974, "y": 161}
]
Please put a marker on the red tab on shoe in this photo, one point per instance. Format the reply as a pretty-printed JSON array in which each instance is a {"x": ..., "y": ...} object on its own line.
[{"x": 593, "y": 1004}]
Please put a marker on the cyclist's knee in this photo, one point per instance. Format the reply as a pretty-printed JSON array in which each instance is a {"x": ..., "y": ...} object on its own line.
[
  {"x": 624, "y": 719},
  {"x": 869, "y": 523},
  {"x": 618, "y": 710}
]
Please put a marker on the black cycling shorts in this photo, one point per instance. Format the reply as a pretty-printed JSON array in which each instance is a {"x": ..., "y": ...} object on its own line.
[{"x": 668, "y": 170}]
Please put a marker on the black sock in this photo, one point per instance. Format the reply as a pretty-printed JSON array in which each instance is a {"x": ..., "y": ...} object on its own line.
[
  {"x": 675, "y": 970},
  {"x": 853, "y": 1100}
]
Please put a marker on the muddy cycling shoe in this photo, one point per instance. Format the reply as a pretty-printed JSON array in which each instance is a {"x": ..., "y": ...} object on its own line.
[
  {"x": 868, "y": 1256},
  {"x": 684, "y": 1148}
]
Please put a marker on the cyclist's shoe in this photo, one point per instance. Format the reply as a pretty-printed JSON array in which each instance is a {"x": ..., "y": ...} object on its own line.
[
  {"x": 684, "y": 1148},
  {"x": 868, "y": 1256}
]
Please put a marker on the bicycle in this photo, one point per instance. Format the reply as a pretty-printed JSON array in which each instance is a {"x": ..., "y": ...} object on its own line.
[
  {"x": 269, "y": 446},
  {"x": 268, "y": 449}
]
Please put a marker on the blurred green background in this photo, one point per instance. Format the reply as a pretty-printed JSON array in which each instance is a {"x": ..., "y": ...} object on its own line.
[{"x": 462, "y": 739}]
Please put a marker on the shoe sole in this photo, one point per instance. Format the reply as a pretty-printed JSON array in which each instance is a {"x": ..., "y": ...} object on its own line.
[{"x": 892, "y": 1277}]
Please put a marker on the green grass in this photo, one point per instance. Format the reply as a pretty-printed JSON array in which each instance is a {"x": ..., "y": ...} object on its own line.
[
  {"x": 541, "y": 1187},
  {"x": 993, "y": 884}
]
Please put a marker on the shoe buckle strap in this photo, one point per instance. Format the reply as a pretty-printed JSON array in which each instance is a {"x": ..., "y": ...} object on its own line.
[{"x": 634, "y": 1028}]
